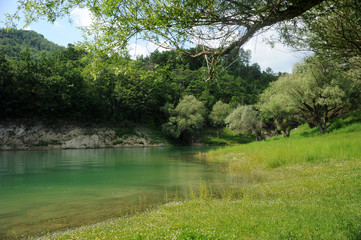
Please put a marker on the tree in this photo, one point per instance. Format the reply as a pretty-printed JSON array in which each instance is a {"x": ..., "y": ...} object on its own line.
[
  {"x": 172, "y": 23},
  {"x": 318, "y": 91},
  {"x": 244, "y": 119},
  {"x": 274, "y": 103},
  {"x": 219, "y": 113},
  {"x": 186, "y": 119},
  {"x": 354, "y": 71},
  {"x": 6, "y": 86},
  {"x": 13, "y": 42},
  {"x": 331, "y": 29}
]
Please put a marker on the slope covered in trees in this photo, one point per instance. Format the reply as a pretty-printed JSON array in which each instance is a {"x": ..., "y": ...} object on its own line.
[
  {"x": 13, "y": 42},
  {"x": 63, "y": 84}
]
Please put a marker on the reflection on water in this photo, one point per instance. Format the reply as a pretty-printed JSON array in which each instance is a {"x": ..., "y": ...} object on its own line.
[{"x": 49, "y": 190}]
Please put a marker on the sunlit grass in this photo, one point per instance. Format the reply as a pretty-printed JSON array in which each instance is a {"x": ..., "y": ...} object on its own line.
[{"x": 272, "y": 154}]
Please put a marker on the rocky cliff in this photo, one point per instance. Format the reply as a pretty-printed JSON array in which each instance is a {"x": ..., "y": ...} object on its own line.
[{"x": 20, "y": 136}]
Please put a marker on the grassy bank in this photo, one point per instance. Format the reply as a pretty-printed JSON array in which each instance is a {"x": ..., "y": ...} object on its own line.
[
  {"x": 224, "y": 136},
  {"x": 305, "y": 187}
]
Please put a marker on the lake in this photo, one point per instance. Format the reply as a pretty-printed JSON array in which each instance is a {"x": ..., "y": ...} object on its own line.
[{"x": 46, "y": 191}]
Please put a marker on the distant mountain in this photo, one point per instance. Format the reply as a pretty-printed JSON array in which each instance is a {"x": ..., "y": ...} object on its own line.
[{"x": 13, "y": 42}]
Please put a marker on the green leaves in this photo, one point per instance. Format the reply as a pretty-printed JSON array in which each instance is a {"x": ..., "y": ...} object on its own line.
[
  {"x": 331, "y": 29},
  {"x": 219, "y": 113},
  {"x": 185, "y": 119},
  {"x": 318, "y": 91},
  {"x": 221, "y": 26},
  {"x": 244, "y": 119}
]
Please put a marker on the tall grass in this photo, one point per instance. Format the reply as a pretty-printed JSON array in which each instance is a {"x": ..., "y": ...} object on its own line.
[{"x": 272, "y": 154}]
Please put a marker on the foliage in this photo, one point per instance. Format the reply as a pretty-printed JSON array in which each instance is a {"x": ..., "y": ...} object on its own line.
[
  {"x": 236, "y": 83},
  {"x": 185, "y": 119},
  {"x": 354, "y": 73},
  {"x": 244, "y": 119},
  {"x": 219, "y": 113},
  {"x": 331, "y": 29},
  {"x": 65, "y": 84},
  {"x": 170, "y": 24},
  {"x": 6, "y": 88},
  {"x": 14, "y": 42},
  {"x": 274, "y": 103},
  {"x": 320, "y": 92},
  {"x": 317, "y": 91}
]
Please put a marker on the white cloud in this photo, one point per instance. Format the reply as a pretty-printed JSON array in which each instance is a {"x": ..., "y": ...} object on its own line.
[
  {"x": 280, "y": 58},
  {"x": 58, "y": 24},
  {"x": 27, "y": 28},
  {"x": 143, "y": 48},
  {"x": 81, "y": 17}
]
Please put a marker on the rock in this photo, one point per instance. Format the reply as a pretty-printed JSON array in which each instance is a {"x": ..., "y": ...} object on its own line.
[
  {"x": 15, "y": 135},
  {"x": 82, "y": 142}
]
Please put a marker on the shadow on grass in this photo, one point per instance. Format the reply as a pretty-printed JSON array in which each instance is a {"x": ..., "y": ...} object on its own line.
[{"x": 226, "y": 137}]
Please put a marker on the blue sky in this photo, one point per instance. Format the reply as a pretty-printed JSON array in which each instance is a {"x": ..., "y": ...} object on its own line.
[{"x": 62, "y": 32}]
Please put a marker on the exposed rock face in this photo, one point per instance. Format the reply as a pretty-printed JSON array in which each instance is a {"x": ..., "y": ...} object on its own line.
[{"x": 14, "y": 136}]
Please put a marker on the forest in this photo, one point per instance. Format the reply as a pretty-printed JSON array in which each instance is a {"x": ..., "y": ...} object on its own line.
[{"x": 47, "y": 81}]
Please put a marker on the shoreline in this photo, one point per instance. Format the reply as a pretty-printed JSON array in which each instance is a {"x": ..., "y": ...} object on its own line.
[
  {"x": 17, "y": 135},
  {"x": 297, "y": 198}
]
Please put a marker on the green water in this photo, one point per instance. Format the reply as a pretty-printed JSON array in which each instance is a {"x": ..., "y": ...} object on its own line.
[{"x": 45, "y": 191}]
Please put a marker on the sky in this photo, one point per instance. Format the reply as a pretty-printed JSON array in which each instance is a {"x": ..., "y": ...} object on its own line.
[{"x": 62, "y": 32}]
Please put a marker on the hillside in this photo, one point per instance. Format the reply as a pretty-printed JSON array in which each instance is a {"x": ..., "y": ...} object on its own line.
[
  {"x": 67, "y": 85},
  {"x": 12, "y": 43}
]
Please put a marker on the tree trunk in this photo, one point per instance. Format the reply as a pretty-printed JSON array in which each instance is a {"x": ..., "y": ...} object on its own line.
[{"x": 323, "y": 127}]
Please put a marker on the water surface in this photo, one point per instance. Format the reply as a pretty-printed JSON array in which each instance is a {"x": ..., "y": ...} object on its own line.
[{"x": 56, "y": 189}]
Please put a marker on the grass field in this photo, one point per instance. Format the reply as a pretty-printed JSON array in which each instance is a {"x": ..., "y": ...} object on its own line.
[{"x": 304, "y": 187}]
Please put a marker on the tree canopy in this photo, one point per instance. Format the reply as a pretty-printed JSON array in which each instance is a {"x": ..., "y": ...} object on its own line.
[
  {"x": 244, "y": 119},
  {"x": 13, "y": 42},
  {"x": 219, "y": 113},
  {"x": 276, "y": 104},
  {"x": 61, "y": 84},
  {"x": 317, "y": 92},
  {"x": 221, "y": 26},
  {"x": 332, "y": 29},
  {"x": 185, "y": 119}
]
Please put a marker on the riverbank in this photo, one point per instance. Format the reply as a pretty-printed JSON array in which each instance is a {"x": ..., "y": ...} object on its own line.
[
  {"x": 37, "y": 135},
  {"x": 305, "y": 187},
  {"x": 34, "y": 135}
]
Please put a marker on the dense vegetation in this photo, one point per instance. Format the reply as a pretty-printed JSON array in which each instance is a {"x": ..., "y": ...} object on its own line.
[
  {"x": 168, "y": 89},
  {"x": 316, "y": 92},
  {"x": 64, "y": 84},
  {"x": 150, "y": 89},
  {"x": 13, "y": 43}
]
